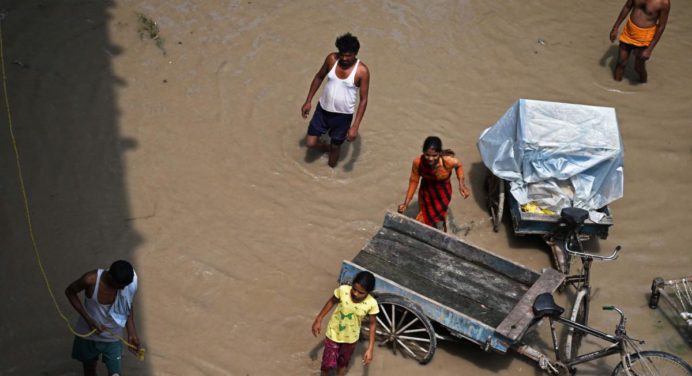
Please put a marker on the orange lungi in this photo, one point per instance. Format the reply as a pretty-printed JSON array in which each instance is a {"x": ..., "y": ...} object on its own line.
[{"x": 637, "y": 36}]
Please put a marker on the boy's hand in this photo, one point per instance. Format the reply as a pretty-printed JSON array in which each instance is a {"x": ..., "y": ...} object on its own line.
[
  {"x": 367, "y": 357},
  {"x": 99, "y": 328},
  {"x": 133, "y": 340},
  {"x": 316, "y": 326}
]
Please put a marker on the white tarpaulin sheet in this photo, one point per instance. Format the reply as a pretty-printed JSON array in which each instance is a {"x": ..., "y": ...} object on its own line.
[{"x": 557, "y": 154}]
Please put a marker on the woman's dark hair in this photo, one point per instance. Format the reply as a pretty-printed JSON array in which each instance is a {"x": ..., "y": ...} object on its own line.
[
  {"x": 365, "y": 279},
  {"x": 434, "y": 142},
  {"x": 347, "y": 43},
  {"x": 121, "y": 272}
]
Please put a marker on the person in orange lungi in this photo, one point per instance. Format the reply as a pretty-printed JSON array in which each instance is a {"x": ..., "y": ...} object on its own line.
[
  {"x": 435, "y": 166},
  {"x": 645, "y": 24}
]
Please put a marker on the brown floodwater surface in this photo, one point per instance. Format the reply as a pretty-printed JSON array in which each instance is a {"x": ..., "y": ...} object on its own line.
[{"x": 192, "y": 165}]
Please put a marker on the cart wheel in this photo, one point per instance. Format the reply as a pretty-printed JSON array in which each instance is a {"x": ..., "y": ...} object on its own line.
[
  {"x": 402, "y": 326},
  {"x": 580, "y": 314},
  {"x": 496, "y": 199}
]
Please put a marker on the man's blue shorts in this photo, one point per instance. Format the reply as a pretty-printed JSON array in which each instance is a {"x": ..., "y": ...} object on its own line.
[
  {"x": 335, "y": 123},
  {"x": 87, "y": 351}
]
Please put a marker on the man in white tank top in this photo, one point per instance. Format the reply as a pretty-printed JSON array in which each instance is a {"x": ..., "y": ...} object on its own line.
[
  {"x": 346, "y": 78},
  {"x": 107, "y": 310}
]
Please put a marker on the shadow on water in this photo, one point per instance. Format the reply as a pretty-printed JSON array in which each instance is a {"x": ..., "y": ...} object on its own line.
[
  {"x": 669, "y": 314},
  {"x": 352, "y": 148},
  {"x": 311, "y": 155},
  {"x": 477, "y": 175},
  {"x": 64, "y": 107},
  {"x": 609, "y": 57},
  {"x": 470, "y": 352}
]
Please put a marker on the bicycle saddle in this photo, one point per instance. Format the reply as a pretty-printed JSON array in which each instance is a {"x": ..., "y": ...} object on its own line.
[
  {"x": 574, "y": 216},
  {"x": 544, "y": 305}
]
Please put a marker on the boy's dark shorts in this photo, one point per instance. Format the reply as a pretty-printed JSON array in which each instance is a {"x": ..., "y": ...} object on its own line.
[
  {"x": 335, "y": 123},
  {"x": 87, "y": 351}
]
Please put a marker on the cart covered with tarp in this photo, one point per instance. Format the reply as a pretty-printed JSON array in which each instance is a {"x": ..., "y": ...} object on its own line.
[{"x": 548, "y": 156}]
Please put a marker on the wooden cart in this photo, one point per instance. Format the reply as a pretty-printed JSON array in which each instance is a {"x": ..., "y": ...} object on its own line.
[{"x": 431, "y": 286}]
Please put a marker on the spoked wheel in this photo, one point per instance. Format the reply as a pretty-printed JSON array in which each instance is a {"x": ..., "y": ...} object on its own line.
[
  {"x": 580, "y": 314},
  {"x": 496, "y": 199},
  {"x": 402, "y": 327},
  {"x": 653, "y": 363}
]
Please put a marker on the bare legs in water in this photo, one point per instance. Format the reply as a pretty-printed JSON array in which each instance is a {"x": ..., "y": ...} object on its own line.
[{"x": 623, "y": 57}]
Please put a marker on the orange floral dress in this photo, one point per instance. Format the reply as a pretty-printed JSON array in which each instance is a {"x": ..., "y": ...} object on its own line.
[{"x": 435, "y": 190}]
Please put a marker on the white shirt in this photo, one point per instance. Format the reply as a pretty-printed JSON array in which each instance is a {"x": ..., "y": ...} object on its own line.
[{"x": 340, "y": 95}]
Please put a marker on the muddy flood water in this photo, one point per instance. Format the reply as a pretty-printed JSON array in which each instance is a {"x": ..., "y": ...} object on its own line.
[{"x": 191, "y": 164}]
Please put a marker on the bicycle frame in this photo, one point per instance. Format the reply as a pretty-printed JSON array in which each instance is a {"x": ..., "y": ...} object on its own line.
[
  {"x": 544, "y": 361},
  {"x": 584, "y": 277},
  {"x": 616, "y": 348}
]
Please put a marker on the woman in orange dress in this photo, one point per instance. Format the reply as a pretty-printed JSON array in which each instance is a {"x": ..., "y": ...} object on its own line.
[{"x": 435, "y": 166}]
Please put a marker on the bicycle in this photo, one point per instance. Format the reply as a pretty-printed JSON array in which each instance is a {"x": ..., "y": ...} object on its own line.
[
  {"x": 633, "y": 361},
  {"x": 567, "y": 240}
]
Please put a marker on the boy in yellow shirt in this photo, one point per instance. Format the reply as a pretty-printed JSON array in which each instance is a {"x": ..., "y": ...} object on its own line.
[{"x": 352, "y": 303}]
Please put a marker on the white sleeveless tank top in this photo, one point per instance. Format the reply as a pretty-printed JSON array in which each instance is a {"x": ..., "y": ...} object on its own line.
[
  {"x": 98, "y": 312},
  {"x": 340, "y": 95}
]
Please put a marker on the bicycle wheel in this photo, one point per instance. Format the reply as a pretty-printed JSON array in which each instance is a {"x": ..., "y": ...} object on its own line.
[
  {"x": 580, "y": 314},
  {"x": 401, "y": 324},
  {"x": 653, "y": 363}
]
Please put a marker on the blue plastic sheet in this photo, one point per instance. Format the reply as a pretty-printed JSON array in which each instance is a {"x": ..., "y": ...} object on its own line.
[{"x": 557, "y": 154}]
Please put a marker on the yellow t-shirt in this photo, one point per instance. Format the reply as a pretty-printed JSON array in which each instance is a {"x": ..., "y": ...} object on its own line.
[{"x": 344, "y": 326}]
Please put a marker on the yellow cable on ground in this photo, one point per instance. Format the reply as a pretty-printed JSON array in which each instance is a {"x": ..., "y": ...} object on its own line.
[{"x": 28, "y": 215}]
